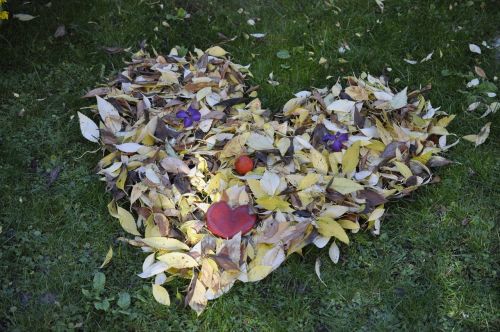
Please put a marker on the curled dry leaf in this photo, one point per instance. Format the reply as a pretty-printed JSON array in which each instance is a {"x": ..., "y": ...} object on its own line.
[{"x": 322, "y": 169}]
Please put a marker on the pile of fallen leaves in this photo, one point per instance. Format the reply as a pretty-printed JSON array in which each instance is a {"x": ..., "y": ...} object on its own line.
[{"x": 323, "y": 167}]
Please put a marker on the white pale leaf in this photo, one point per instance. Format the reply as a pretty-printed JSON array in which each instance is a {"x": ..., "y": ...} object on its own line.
[
  {"x": 321, "y": 241},
  {"x": 152, "y": 176},
  {"x": 258, "y": 35},
  {"x": 88, "y": 128},
  {"x": 106, "y": 110},
  {"x": 332, "y": 126},
  {"x": 334, "y": 252},
  {"x": 473, "y": 106},
  {"x": 148, "y": 261},
  {"x": 472, "y": 83},
  {"x": 299, "y": 143},
  {"x": 174, "y": 165},
  {"x": 400, "y": 100},
  {"x": 370, "y": 132},
  {"x": 428, "y": 57},
  {"x": 160, "y": 278},
  {"x": 342, "y": 105},
  {"x": 153, "y": 270},
  {"x": 270, "y": 183},
  {"x": 411, "y": 62},
  {"x": 474, "y": 48},
  {"x": 23, "y": 17},
  {"x": 303, "y": 94},
  {"x": 364, "y": 174},
  {"x": 260, "y": 142},
  {"x": 383, "y": 96},
  {"x": 317, "y": 267},
  {"x": 483, "y": 134},
  {"x": 129, "y": 147}
]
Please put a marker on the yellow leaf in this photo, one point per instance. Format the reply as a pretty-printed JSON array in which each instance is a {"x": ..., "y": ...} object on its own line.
[
  {"x": 108, "y": 257},
  {"x": 333, "y": 163},
  {"x": 334, "y": 211},
  {"x": 216, "y": 51},
  {"x": 443, "y": 122},
  {"x": 196, "y": 296},
  {"x": 351, "y": 158},
  {"x": 470, "y": 138},
  {"x": 348, "y": 224},
  {"x": 120, "y": 182},
  {"x": 345, "y": 186},
  {"x": 161, "y": 295},
  {"x": 113, "y": 211},
  {"x": 272, "y": 203},
  {"x": 256, "y": 188},
  {"x": 319, "y": 161},
  {"x": 259, "y": 272},
  {"x": 376, "y": 214},
  {"x": 309, "y": 180},
  {"x": 357, "y": 93},
  {"x": 214, "y": 185},
  {"x": 329, "y": 227},
  {"x": 165, "y": 243},
  {"x": 178, "y": 260},
  {"x": 403, "y": 169},
  {"x": 127, "y": 221},
  {"x": 235, "y": 146},
  {"x": 283, "y": 145},
  {"x": 376, "y": 145},
  {"x": 439, "y": 131},
  {"x": 423, "y": 158}
]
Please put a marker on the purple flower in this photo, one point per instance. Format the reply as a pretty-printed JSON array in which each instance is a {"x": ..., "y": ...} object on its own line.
[
  {"x": 190, "y": 115},
  {"x": 337, "y": 140}
]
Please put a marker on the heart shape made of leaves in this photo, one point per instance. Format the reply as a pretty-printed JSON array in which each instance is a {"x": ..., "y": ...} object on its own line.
[
  {"x": 323, "y": 166},
  {"x": 226, "y": 222}
]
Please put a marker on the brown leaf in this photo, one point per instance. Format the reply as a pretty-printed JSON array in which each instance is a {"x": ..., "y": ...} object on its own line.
[
  {"x": 373, "y": 198},
  {"x": 162, "y": 222},
  {"x": 97, "y": 92},
  {"x": 225, "y": 262},
  {"x": 480, "y": 72}
]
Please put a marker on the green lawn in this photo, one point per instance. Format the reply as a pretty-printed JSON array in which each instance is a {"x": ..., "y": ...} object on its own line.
[{"x": 436, "y": 264}]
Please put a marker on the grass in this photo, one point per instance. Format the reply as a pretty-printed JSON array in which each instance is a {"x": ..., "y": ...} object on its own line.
[{"x": 436, "y": 264}]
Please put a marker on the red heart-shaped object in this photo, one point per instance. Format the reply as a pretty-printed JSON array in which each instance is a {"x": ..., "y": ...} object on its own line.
[{"x": 226, "y": 222}]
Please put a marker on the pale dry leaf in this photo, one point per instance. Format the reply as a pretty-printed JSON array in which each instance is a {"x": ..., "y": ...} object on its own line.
[
  {"x": 23, "y": 17},
  {"x": 334, "y": 252},
  {"x": 129, "y": 147},
  {"x": 127, "y": 221},
  {"x": 260, "y": 142},
  {"x": 161, "y": 295},
  {"x": 107, "y": 259},
  {"x": 88, "y": 128},
  {"x": 474, "y": 48},
  {"x": 174, "y": 165},
  {"x": 317, "y": 267},
  {"x": 483, "y": 134}
]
